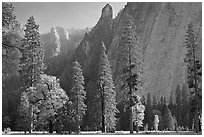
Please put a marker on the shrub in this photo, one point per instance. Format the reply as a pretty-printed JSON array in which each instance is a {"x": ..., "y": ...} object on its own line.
[{"x": 7, "y": 130}]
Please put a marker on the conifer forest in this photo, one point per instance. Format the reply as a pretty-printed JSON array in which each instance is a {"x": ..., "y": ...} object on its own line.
[{"x": 135, "y": 71}]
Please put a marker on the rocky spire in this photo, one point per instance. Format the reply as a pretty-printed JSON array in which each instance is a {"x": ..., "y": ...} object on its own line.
[{"x": 107, "y": 11}]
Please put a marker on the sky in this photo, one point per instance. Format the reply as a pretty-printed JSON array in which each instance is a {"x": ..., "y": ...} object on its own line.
[{"x": 66, "y": 14}]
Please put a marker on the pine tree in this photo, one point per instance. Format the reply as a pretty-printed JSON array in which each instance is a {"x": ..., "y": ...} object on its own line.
[
  {"x": 193, "y": 71},
  {"x": 178, "y": 104},
  {"x": 164, "y": 100},
  {"x": 187, "y": 121},
  {"x": 161, "y": 100},
  {"x": 184, "y": 104},
  {"x": 161, "y": 103},
  {"x": 78, "y": 94},
  {"x": 154, "y": 102},
  {"x": 132, "y": 62},
  {"x": 31, "y": 62},
  {"x": 107, "y": 92},
  {"x": 184, "y": 95},
  {"x": 171, "y": 104},
  {"x": 178, "y": 96},
  {"x": 171, "y": 99},
  {"x": 169, "y": 120},
  {"x": 148, "y": 111}
]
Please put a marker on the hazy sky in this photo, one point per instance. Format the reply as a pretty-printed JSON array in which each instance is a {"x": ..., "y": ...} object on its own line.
[{"x": 65, "y": 14}]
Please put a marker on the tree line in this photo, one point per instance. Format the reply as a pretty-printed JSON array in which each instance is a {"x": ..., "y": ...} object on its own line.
[
  {"x": 185, "y": 112},
  {"x": 167, "y": 110}
]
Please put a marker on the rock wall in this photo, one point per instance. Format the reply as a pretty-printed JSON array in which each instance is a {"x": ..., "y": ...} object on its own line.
[{"x": 161, "y": 29}]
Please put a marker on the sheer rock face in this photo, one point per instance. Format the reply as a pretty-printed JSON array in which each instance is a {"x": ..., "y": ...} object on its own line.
[
  {"x": 88, "y": 51},
  {"x": 55, "y": 42},
  {"x": 59, "y": 41},
  {"x": 161, "y": 29},
  {"x": 59, "y": 45}
]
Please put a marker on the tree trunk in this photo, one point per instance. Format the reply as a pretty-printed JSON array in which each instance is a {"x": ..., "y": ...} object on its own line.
[
  {"x": 137, "y": 129},
  {"x": 131, "y": 121},
  {"x": 196, "y": 93},
  {"x": 50, "y": 126},
  {"x": 31, "y": 120},
  {"x": 30, "y": 130},
  {"x": 58, "y": 126},
  {"x": 176, "y": 128},
  {"x": 130, "y": 88},
  {"x": 78, "y": 126}
]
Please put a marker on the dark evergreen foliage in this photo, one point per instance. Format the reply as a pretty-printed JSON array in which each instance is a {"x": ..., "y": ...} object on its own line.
[
  {"x": 194, "y": 73},
  {"x": 148, "y": 111},
  {"x": 178, "y": 104},
  {"x": 168, "y": 120},
  {"x": 31, "y": 62},
  {"x": 154, "y": 102},
  {"x": 131, "y": 58},
  {"x": 185, "y": 111}
]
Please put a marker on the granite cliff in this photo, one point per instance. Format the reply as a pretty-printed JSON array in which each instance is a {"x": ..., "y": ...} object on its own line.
[
  {"x": 161, "y": 29},
  {"x": 59, "y": 46}
]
